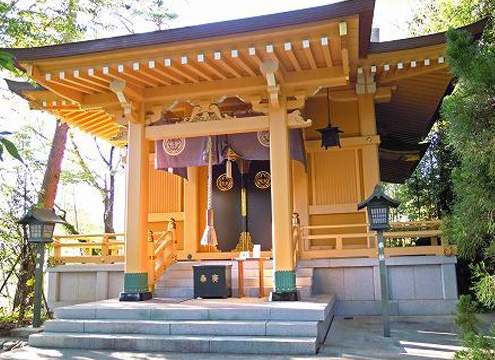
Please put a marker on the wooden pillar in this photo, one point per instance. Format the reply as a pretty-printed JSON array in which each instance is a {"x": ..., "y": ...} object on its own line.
[
  {"x": 281, "y": 193},
  {"x": 136, "y": 216},
  {"x": 367, "y": 122},
  {"x": 191, "y": 212}
]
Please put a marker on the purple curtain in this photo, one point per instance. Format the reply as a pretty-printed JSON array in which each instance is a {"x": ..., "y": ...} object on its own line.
[{"x": 176, "y": 155}]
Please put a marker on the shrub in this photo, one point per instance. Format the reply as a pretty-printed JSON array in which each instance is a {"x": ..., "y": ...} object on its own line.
[{"x": 478, "y": 345}]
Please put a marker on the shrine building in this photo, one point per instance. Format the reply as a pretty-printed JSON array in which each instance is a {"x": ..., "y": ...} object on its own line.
[{"x": 222, "y": 125}]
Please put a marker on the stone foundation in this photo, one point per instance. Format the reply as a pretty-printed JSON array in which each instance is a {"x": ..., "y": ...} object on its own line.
[{"x": 418, "y": 285}]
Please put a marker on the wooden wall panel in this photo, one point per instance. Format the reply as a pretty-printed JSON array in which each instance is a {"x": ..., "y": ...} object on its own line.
[
  {"x": 335, "y": 177},
  {"x": 165, "y": 192}
]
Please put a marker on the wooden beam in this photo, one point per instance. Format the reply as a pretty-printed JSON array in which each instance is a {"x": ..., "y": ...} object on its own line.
[
  {"x": 289, "y": 49},
  {"x": 225, "y": 65},
  {"x": 325, "y": 45},
  {"x": 150, "y": 70},
  {"x": 61, "y": 90},
  {"x": 213, "y": 69},
  {"x": 183, "y": 73},
  {"x": 227, "y": 87},
  {"x": 226, "y": 126},
  {"x": 196, "y": 68},
  {"x": 306, "y": 45},
  {"x": 66, "y": 79},
  {"x": 98, "y": 85},
  {"x": 239, "y": 61},
  {"x": 115, "y": 74},
  {"x": 164, "y": 70}
]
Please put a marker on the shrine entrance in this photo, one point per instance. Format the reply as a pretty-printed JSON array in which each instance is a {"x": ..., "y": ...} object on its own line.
[{"x": 242, "y": 205}]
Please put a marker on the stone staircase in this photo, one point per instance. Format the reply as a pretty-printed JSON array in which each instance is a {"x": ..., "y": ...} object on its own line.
[
  {"x": 177, "y": 281},
  {"x": 239, "y": 326}
]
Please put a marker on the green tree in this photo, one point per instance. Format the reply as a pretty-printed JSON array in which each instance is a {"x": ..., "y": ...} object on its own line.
[
  {"x": 471, "y": 134},
  {"x": 430, "y": 16}
]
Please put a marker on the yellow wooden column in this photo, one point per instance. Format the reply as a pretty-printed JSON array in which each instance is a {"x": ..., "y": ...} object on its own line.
[
  {"x": 191, "y": 212},
  {"x": 367, "y": 122},
  {"x": 136, "y": 216},
  {"x": 281, "y": 192}
]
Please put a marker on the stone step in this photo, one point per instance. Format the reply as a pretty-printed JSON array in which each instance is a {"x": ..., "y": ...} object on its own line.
[
  {"x": 185, "y": 327},
  {"x": 178, "y": 343},
  {"x": 296, "y": 311}
]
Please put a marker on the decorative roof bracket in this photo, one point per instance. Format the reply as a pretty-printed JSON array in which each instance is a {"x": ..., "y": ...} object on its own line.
[
  {"x": 117, "y": 87},
  {"x": 268, "y": 68}
]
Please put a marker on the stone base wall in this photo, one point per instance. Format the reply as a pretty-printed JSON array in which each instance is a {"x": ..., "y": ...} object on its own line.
[
  {"x": 418, "y": 285},
  {"x": 75, "y": 284}
]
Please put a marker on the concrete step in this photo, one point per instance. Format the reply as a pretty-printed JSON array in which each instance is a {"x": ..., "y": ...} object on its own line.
[
  {"x": 178, "y": 343},
  {"x": 185, "y": 327},
  {"x": 296, "y": 311}
]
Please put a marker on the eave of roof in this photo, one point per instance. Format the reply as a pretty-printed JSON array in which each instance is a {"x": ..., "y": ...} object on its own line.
[
  {"x": 423, "y": 41},
  {"x": 19, "y": 87},
  {"x": 363, "y": 8}
]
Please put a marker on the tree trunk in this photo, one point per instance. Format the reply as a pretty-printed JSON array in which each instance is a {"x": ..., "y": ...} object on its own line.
[{"x": 53, "y": 167}]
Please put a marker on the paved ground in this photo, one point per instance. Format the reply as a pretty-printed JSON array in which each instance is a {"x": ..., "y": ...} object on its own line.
[{"x": 427, "y": 337}]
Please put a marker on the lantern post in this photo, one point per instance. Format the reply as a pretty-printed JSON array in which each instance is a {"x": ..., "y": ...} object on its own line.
[
  {"x": 41, "y": 223},
  {"x": 378, "y": 206}
]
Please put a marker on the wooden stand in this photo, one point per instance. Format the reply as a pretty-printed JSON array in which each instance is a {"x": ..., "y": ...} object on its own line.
[{"x": 240, "y": 276}]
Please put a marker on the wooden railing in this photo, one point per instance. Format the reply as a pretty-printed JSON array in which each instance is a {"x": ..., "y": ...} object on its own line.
[
  {"x": 162, "y": 252},
  {"x": 355, "y": 240},
  {"x": 87, "y": 249}
]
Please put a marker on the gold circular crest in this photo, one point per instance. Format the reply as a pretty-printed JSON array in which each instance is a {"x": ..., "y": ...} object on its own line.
[
  {"x": 174, "y": 146},
  {"x": 264, "y": 138},
  {"x": 263, "y": 180},
  {"x": 224, "y": 183}
]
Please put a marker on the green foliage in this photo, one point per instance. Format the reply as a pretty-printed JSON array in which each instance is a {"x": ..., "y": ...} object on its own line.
[
  {"x": 484, "y": 286},
  {"x": 478, "y": 346},
  {"x": 438, "y": 15},
  {"x": 9, "y": 146},
  {"x": 9, "y": 320},
  {"x": 471, "y": 136}
]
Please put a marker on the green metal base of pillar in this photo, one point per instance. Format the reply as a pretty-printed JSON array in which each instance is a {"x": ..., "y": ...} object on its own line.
[
  {"x": 285, "y": 281},
  {"x": 135, "y": 287}
]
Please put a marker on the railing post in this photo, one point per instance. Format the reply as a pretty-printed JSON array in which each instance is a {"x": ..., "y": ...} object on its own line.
[
  {"x": 104, "y": 250},
  {"x": 296, "y": 235},
  {"x": 171, "y": 226},
  {"x": 57, "y": 250},
  {"x": 151, "y": 260}
]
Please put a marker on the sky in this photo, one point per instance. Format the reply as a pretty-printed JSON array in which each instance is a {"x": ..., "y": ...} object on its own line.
[{"x": 390, "y": 16}]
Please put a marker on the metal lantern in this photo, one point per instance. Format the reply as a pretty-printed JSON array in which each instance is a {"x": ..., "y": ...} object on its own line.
[
  {"x": 378, "y": 206},
  {"x": 41, "y": 223},
  {"x": 330, "y": 136}
]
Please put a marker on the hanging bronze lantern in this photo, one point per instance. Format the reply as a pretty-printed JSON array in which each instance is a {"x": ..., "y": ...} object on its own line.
[{"x": 329, "y": 135}]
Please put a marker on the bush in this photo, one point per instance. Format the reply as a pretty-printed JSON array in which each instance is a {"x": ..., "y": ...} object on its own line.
[
  {"x": 478, "y": 345},
  {"x": 9, "y": 321},
  {"x": 484, "y": 286}
]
